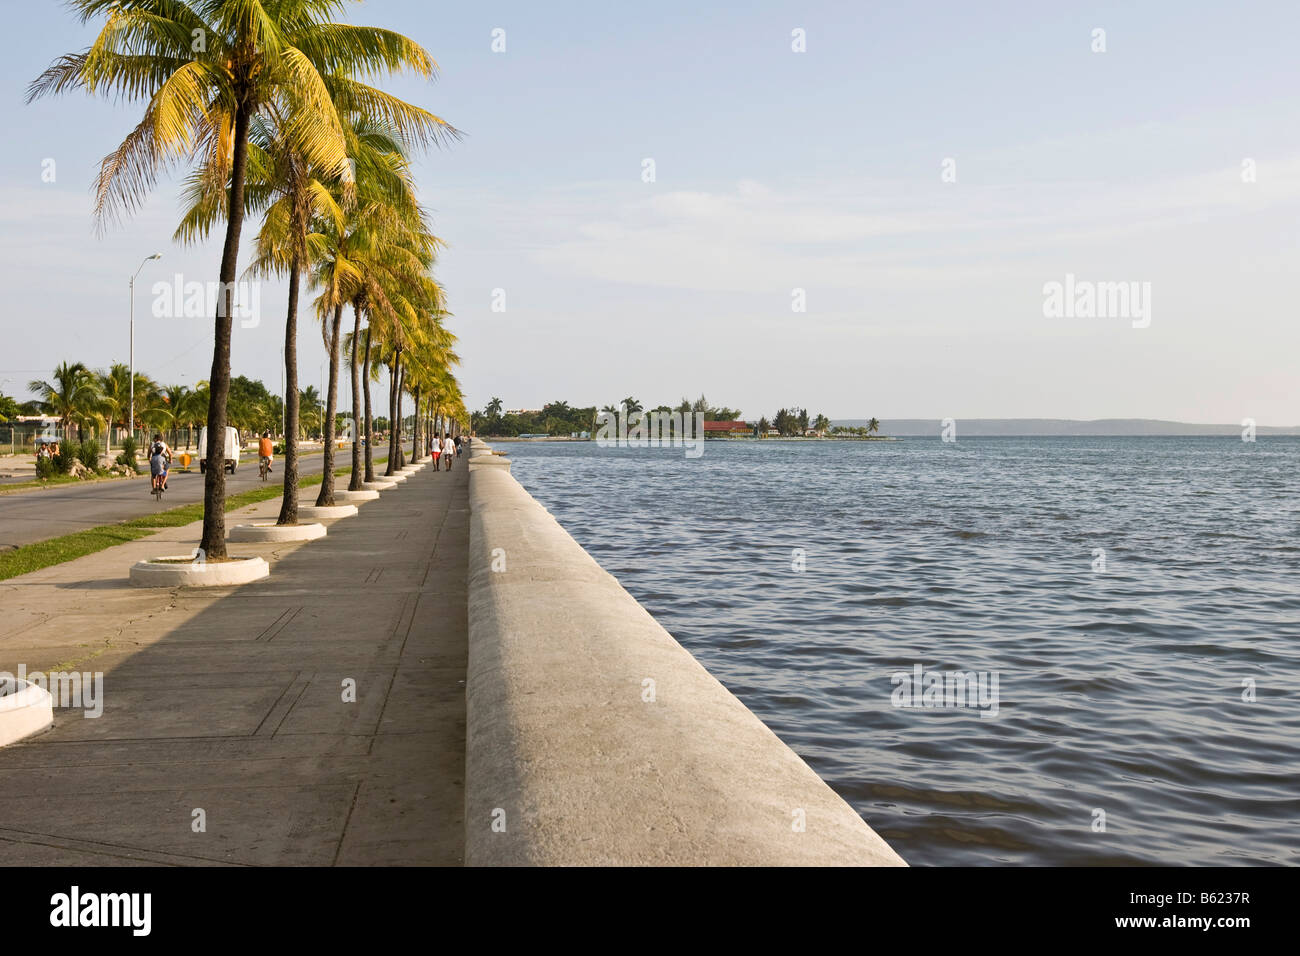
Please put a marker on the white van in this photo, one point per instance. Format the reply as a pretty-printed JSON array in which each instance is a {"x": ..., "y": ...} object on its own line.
[{"x": 233, "y": 445}]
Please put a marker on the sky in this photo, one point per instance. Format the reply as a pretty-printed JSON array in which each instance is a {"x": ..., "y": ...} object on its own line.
[{"x": 915, "y": 178}]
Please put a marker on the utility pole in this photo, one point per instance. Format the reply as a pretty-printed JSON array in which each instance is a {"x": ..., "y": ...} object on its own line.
[{"x": 131, "y": 409}]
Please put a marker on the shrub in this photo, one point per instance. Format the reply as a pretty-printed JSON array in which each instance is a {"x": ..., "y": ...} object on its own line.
[
  {"x": 88, "y": 452},
  {"x": 128, "y": 454},
  {"x": 44, "y": 468},
  {"x": 62, "y": 462}
]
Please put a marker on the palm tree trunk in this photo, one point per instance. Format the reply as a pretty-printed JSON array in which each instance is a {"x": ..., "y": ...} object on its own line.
[
  {"x": 289, "y": 503},
  {"x": 370, "y": 424},
  {"x": 213, "y": 541},
  {"x": 392, "y": 412},
  {"x": 415, "y": 427},
  {"x": 326, "y": 496},
  {"x": 401, "y": 450},
  {"x": 355, "y": 483}
]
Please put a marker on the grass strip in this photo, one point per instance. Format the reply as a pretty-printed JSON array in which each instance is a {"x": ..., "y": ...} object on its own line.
[
  {"x": 43, "y": 554},
  {"x": 36, "y": 484},
  {"x": 68, "y": 547}
]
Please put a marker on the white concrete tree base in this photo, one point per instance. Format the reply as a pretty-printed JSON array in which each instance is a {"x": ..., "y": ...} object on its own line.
[
  {"x": 25, "y": 709},
  {"x": 397, "y": 476},
  {"x": 181, "y": 570},
  {"x": 355, "y": 497},
  {"x": 415, "y": 465},
  {"x": 379, "y": 485},
  {"x": 317, "y": 512},
  {"x": 272, "y": 532}
]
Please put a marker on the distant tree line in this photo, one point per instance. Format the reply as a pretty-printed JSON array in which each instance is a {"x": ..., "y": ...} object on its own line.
[
  {"x": 861, "y": 431},
  {"x": 561, "y": 418},
  {"x": 83, "y": 400}
]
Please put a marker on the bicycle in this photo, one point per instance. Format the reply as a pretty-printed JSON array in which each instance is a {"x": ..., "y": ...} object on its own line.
[
  {"x": 264, "y": 468},
  {"x": 158, "y": 478}
]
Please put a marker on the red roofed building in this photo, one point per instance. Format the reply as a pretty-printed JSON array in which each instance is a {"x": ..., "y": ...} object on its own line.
[{"x": 728, "y": 429}]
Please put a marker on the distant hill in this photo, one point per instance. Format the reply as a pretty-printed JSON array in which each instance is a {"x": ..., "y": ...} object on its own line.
[{"x": 977, "y": 427}]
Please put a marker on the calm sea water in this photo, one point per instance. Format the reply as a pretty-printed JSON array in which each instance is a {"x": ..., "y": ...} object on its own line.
[{"x": 1119, "y": 691}]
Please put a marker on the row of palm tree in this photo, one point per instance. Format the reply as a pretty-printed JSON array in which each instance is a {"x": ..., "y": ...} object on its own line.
[
  {"x": 862, "y": 431},
  {"x": 83, "y": 398},
  {"x": 275, "y": 114}
]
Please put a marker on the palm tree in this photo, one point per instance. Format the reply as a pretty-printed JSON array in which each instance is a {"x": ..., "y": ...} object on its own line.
[
  {"x": 493, "y": 408},
  {"x": 162, "y": 410},
  {"x": 69, "y": 395},
  {"x": 175, "y": 397},
  {"x": 201, "y": 101},
  {"x": 429, "y": 364},
  {"x": 356, "y": 257},
  {"x": 283, "y": 184},
  {"x": 432, "y": 386},
  {"x": 405, "y": 303},
  {"x": 309, "y": 409},
  {"x": 392, "y": 251},
  {"x": 369, "y": 374},
  {"x": 114, "y": 396},
  {"x": 873, "y": 426},
  {"x": 192, "y": 410},
  {"x": 291, "y": 239}
]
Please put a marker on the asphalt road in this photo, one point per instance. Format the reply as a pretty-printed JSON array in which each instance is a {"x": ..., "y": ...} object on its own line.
[{"x": 31, "y": 516}]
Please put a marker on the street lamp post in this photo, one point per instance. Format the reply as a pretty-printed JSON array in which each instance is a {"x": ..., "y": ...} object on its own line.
[
  {"x": 13, "y": 445},
  {"x": 130, "y": 427}
]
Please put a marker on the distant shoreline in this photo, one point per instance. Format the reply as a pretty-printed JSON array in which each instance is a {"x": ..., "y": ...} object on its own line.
[
  {"x": 711, "y": 438},
  {"x": 1066, "y": 428},
  {"x": 1262, "y": 432}
]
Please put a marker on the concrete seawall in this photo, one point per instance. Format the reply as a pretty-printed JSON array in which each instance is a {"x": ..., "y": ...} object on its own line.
[{"x": 594, "y": 738}]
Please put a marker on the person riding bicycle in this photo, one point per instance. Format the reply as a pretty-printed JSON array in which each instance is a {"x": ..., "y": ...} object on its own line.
[
  {"x": 160, "y": 459},
  {"x": 265, "y": 448}
]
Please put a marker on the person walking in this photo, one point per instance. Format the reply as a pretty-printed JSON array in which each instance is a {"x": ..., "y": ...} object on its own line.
[{"x": 448, "y": 450}]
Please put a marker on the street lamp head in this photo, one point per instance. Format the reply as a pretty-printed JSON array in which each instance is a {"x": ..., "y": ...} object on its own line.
[{"x": 156, "y": 255}]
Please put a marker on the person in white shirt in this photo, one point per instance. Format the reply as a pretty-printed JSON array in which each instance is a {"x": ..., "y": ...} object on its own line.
[{"x": 448, "y": 450}]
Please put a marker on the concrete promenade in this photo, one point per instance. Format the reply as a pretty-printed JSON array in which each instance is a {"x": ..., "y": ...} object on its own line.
[{"x": 230, "y": 701}]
